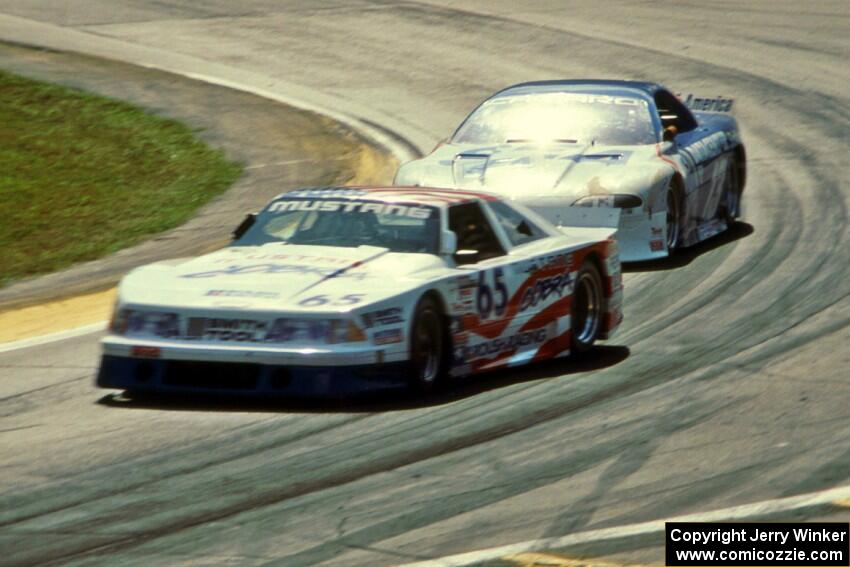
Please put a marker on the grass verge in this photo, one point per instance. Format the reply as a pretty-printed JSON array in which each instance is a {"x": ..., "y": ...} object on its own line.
[{"x": 82, "y": 176}]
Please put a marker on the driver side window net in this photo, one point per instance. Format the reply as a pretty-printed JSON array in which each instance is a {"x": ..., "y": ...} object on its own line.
[{"x": 474, "y": 232}]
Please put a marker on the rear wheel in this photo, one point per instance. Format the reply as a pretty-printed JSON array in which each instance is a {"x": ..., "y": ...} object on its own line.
[
  {"x": 730, "y": 202},
  {"x": 674, "y": 223},
  {"x": 588, "y": 308},
  {"x": 428, "y": 347}
]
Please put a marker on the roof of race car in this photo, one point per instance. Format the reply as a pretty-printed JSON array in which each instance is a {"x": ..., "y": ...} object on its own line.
[
  {"x": 591, "y": 85},
  {"x": 419, "y": 195}
]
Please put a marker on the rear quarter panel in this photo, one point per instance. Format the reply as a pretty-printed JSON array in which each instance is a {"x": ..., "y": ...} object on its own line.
[{"x": 535, "y": 323}]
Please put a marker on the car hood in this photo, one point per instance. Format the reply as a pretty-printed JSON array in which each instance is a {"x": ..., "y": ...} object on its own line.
[
  {"x": 278, "y": 277},
  {"x": 518, "y": 171}
]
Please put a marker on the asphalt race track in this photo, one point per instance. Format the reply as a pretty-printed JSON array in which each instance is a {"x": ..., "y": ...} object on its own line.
[{"x": 728, "y": 384}]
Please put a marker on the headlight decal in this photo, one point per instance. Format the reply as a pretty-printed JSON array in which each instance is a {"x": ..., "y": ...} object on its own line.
[
  {"x": 155, "y": 323},
  {"x": 333, "y": 331},
  {"x": 133, "y": 322}
]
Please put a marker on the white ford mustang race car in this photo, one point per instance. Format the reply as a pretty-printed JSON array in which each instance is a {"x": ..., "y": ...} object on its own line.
[
  {"x": 343, "y": 290},
  {"x": 564, "y": 148}
]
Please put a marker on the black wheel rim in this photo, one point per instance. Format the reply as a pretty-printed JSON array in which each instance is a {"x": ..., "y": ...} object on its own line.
[
  {"x": 587, "y": 308},
  {"x": 428, "y": 346},
  {"x": 672, "y": 219},
  {"x": 731, "y": 199}
]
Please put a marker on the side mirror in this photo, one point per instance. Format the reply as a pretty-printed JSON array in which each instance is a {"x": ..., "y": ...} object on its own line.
[
  {"x": 448, "y": 243},
  {"x": 243, "y": 227},
  {"x": 670, "y": 133}
]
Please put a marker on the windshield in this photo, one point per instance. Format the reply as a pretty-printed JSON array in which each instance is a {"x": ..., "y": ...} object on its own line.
[
  {"x": 559, "y": 117},
  {"x": 347, "y": 223}
]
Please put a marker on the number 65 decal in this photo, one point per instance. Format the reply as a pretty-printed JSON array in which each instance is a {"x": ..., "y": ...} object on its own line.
[
  {"x": 319, "y": 300},
  {"x": 484, "y": 300}
]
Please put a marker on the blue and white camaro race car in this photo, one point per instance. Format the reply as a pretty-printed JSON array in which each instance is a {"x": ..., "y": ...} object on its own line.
[
  {"x": 593, "y": 152},
  {"x": 344, "y": 290}
]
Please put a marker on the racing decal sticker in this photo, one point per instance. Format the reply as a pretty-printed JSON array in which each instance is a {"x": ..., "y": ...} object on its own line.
[
  {"x": 507, "y": 345},
  {"x": 382, "y": 317},
  {"x": 411, "y": 211},
  {"x": 555, "y": 346},
  {"x": 321, "y": 300},
  {"x": 545, "y": 288},
  {"x": 464, "y": 286},
  {"x": 277, "y": 269},
  {"x": 712, "y": 104},
  {"x": 464, "y": 294},
  {"x": 573, "y": 97},
  {"x": 245, "y": 293},
  {"x": 296, "y": 258},
  {"x": 493, "y": 300},
  {"x": 388, "y": 336},
  {"x": 531, "y": 266},
  {"x": 221, "y": 329},
  {"x": 327, "y": 192},
  {"x": 145, "y": 351},
  {"x": 460, "y": 338}
]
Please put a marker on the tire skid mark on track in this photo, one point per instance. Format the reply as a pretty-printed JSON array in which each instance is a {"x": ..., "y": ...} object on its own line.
[
  {"x": 771, "y": 509},
  {"x": 650, "y": 373},
  {"x": 275, "y": 497},
  {"x": 302, "y": 488},
  {"x": 679, "y": 57},
  {"x": 648, "y": 379},
  {"x": 213, "y": 458},
  {"x": 570, "y": 464},
  {"x": 21, "y": 400},
  {"x": 723, "y": 480}
]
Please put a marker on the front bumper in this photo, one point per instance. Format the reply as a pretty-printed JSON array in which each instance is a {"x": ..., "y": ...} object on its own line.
[
  {"x": 168, "y": 367},
  {"x": 241, "y": 378}
]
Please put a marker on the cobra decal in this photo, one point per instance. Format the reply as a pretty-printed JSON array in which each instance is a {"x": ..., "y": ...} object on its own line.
[{"x": 477, "y": 324}]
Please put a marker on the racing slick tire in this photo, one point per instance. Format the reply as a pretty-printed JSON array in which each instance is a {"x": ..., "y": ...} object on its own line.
[
  {"x": 429, "y": 348},
  {"x": 730, "y": 201},
  {"x": 674, "y": 217},
  {"x": 588, "y": 308}
]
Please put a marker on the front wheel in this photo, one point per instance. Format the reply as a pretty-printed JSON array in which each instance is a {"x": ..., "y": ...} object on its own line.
[
  {"x": 428, "y": 348},
  {"x": 674, "y": 223},
  {"x": 588, "y": 308}
]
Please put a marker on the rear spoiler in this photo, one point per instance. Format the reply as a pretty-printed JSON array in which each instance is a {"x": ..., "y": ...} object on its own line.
[
  {"x": 591, "y": 222},
  {"x": 707, "y": 104}
]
